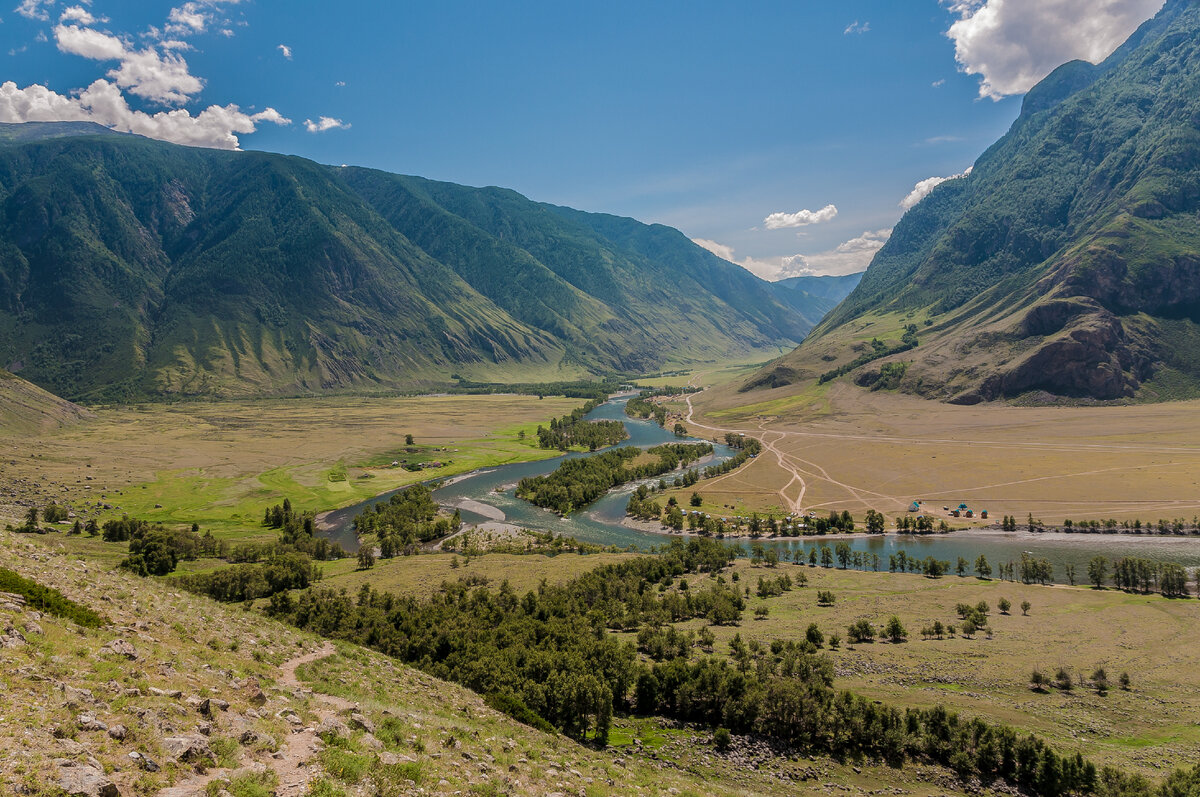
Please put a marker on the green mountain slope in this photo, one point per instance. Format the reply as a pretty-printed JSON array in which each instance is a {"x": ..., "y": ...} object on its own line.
[
  {"x": 25, "y": 407},
  {"x": 132, "y": 268},
  {"x": 1068, "y": 261}
]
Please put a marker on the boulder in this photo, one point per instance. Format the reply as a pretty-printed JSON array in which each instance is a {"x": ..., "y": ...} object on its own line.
[
  {"x": 332, "y": 726},
  {"x": 190, "y": 749},
  {"x": 86, "y": 781},
  {"x": 118, "y": 732},
  {"x": 362, "y": 722}
]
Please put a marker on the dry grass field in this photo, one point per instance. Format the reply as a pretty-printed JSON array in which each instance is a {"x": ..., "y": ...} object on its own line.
[
  {"x": 221, "y": 464},
  {"x": 837, "y": 446},
  {"x": 1151, "y": 727},
  {"x": 423, "y": 575}
]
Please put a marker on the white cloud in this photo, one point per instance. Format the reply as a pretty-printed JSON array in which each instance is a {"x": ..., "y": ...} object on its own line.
[
  {"x": 922, "y": 189},
  {"x": 34, "y": 9},
  {"x": 324, "y": 123},
  {"x": 287, "y": 51},
  {"x": 801, "y": 218},
  {"x": 340, "y": 84},
  {"x": 857, "y": 27},
  {"x": 937, "y": 84},
  {"x": 849, "y": 257},
  {"x": 89, "y": 43},
  {"x": 77, "y": 14},
  {"x": 1012, "y": 44},
  {"x": 162, "y": 78},
  {"x": 102, "y": 102},
  {"x": 187, "y": 19}
]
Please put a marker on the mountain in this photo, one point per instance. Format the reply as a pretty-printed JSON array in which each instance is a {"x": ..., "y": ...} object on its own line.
[
  {"x": 1067, "y": 262},
  {"x": 133, "y": 268},
  {"x": 815, "y": 296}
]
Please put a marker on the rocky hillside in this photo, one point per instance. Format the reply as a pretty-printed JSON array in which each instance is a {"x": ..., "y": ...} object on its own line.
[
  {"x": 1067, "y": 262},
  {"x": 134, "y": 268},
  {"x": 24, "y": 406}
]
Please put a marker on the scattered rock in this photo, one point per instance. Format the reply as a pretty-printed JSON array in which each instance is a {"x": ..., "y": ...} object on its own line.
[
  {"x": 174, "y": 694},
  {"x": 201, "y": 704},
  {"x": 88, "y": 722},
  {"x": 121, "y": 647},
  {"x": 118, "y": 732},
  {"x": 362, "y": 723},
  {"x": 144, "y": 761}
]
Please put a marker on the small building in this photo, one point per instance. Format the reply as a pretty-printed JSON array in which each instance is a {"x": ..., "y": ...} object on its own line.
[
  {"x": 970, "y": 513},
  {"x": 915, "y": 506},
  {"x": 983, "y": 514}
]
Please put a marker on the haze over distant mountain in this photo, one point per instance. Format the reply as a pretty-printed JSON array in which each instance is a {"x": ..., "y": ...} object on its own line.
[
  {"x": 1068, "y": 261},
  {"x": 815, "y": 296},
  {"x": 133, "y": 268}
]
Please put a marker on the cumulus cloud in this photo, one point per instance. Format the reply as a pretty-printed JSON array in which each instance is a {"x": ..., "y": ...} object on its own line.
[
  {"x": 324, "y": 123},
  {"x": 102, "y": 102},
  {"x": 89, "y": 43},
  {"x": 849, "y": 257},
  {"x": 856, "y": 27},
  {"x": 187, "y": 19},
  {"x": 77, "y": 14},
  {"x": 34, "y": 9},
  {"x": 801, "y": 218},
  {"x": 160, "y": 77},
  {"x": 287, "y": 51},
  {"x": 922, "y": 189},
  {"x": 1012, "y": 44}
]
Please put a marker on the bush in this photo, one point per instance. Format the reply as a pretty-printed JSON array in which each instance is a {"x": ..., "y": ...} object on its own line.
[
  {"x": 48, "y": 599},
  {"x": 861, "y": 631},
  {"x": 721, "y": 739}
]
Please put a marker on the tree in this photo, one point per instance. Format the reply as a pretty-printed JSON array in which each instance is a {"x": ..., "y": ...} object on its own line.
[
  {"x": 696, "y": 499},
  {"x": 1124, "y": 681},
  {"x": 366, "y": 558},
  {"x": 408, "y": 440},
  {"x": 895, "y": 630},
  {"x": 721, "y": 739},
  {"x": 824, "y": 598},
  {"x": 843, "y": 554},
  {"x": 1062, "y": 680},
  {"x": 1025, "y": 607},
  {"x": 962, "y": 567},
  {"x": 826, "y": 557},
  {"x": 1097, "y": 571},
  {"x": 875, "y": 522},
  {"x": 1004, "y": 605},
  {"x": 680, "y": 430},
  {"x": 1038, "y": 681},
  {"x": 814, "y": 635},
  {"x": 982, "y": 568},
  {"x": 31, "y": 519},
  {"x": 1070, "y": 571},
  {"x": 861, "y": 631},
  {"x": 1100, "y": 681}
]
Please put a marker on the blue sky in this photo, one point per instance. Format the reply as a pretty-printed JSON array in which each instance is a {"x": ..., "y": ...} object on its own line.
[{"x": 706, "y": 116}]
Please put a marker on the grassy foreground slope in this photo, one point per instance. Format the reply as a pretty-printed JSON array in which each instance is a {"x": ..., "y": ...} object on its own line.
[
  {"x": 25, "y": 407},
  {"x": 1065, "y": 262},
  {"x": 210, "y": 694}
]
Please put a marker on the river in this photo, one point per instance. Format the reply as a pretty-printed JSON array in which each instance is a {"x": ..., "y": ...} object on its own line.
[{"x": 487, "y": 495}]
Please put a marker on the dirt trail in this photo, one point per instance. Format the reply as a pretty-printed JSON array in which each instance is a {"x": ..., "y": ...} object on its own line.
[{"x": 292, "y": 769}]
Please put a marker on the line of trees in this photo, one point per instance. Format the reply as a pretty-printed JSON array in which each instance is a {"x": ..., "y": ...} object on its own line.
[
  {"x": 1140, "y": 575},
  {"x": 573, "y": 430},
  {"x": 406, "y": 520},
  {"x": 578, "y": 482},
  {"x": 1177, "y": 526}
]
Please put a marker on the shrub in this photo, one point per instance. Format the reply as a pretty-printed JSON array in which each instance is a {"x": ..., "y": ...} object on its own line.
[{"x": 721, "y": 739}]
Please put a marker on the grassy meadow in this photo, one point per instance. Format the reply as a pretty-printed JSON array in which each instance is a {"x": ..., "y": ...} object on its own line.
[{"x": 221, "y": 464}]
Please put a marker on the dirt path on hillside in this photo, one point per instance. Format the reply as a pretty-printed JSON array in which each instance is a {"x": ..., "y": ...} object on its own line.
[{"x": 293, "y": 768}]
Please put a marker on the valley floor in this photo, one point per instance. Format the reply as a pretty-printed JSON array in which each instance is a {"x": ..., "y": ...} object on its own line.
[{"x": 840, "y": 447}]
